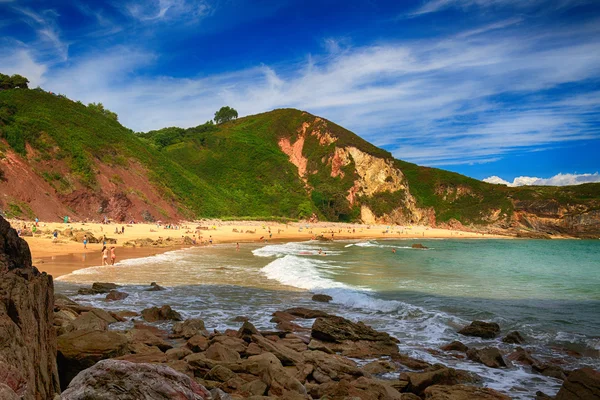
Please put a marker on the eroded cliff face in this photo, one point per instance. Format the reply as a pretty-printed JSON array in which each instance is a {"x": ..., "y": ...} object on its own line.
[
  {"x": 552, "y": 218},
  {"x": 27, "y": 338}
]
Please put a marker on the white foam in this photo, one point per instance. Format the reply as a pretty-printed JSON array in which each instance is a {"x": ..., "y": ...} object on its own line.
[{"x": 300, "y": 272}]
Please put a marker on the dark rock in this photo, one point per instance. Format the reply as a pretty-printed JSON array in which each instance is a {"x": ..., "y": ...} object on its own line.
[
  {"x": 218, "y": 352},
  {"x": 27, "y": 335},
  {"x": 411, "y": 363},
  {"x": 119, "y": 379},
  {"x": 379, "y": 367},
  {"x": 462, "y": 392},
  {"x": 220, "y": 373},
  {"x": 553, "y": 371},
  {"x": 539, "y": 395},
  {"x": 89, "y": 321},
  {"x": 240, "y": 318},
  {"x": 418, "y": 246},
  {"x": 269, "y": 369},
  {"x": 323, "y": 298},
  {"x": 286, "y": 355},
  {"x": 513, "y": 338},
  {"x": 178, "y": 353},
  {"x": 488, "y": 356},
  {"x": 188, "y": 328},
  {"x": 435, "y": 375},
  {"x": 154, "y": 314},
  {"x": 582, "y": 384},
  {"x": 148, "y": 338},
  {"x": 79, "y": 350},
  {"x": 455, "y": 346},
  {"x": 115, "y": 295},
  {"x": 197, "y": 343},
  {"x": 522, "y": 356},
  {"x": 154, "y": 287},
  {"x": 306, "y": 313},
  {"x": 246, "y": 332},
  {"x": 486, "y": 330},
  {"x": 338, "y": 329},
  {"x": 103, "y": 287}
]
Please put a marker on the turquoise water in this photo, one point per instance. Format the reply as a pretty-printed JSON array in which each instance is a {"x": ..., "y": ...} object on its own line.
[{"x": 548, "y": 290}]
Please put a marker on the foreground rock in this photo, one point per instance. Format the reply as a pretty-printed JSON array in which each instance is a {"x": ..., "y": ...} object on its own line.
[
  {"x": 27, "y": 337},
  {"x": 189, "y": 328},
  {"x": 79, "y": 350},
  {"x": 582, "y": 384},
  {"x": 117, "y": 379},
  {"x": 488, "y": 356},
  {"x": 154, "y": 314},
  {"x": 418, "y": 382},
  {"x": 485, "y": 330},
  {"x": 462, "y": 392}
]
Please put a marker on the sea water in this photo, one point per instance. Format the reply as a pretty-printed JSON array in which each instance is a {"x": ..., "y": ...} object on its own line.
[{"x": 547, "y": 290}]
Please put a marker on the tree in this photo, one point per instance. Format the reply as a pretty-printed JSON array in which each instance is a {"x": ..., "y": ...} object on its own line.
[
  {"x": 225, "y": 114},
  {"x": 99, "y": 107},
  {"x": 13, "y": 82}
]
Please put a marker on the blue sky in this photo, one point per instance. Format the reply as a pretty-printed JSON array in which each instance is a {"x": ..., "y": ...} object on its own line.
[{"x": 504, "y": 88}]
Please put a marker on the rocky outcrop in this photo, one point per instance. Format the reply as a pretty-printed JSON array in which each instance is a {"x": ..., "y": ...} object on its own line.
[
  {"x": 418, "y": 382},
  {"x": 582, "y": 384},
  {"x": 118, "y": 379},
  {"x": 485, "y": 330},
  {"x": 462, "y": 392},
  {"x": 154, "y": 314},
  {"x": 27, "y": 337},
  {"x": 488, "y": 356}
]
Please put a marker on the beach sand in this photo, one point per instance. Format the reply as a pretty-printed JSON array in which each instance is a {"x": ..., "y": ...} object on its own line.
[{"x": 65, "y": 256}]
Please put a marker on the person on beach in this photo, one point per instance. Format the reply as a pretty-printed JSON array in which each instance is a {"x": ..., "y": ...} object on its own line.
[
  {"x": 85, "y": 241},
  {"x": 237, "y": 247},
  {"x": 394, "y": 251},
  {"x": 104, "y": 255},
  {"x": 55, "y": 236},
  {"x": 113, "y": 257}
]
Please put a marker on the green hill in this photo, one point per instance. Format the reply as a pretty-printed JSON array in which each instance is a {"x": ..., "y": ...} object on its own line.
[{"x": 284, "y": 163}]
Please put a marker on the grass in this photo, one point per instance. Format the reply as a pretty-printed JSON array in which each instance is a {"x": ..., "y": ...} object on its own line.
[{"x": 237, "y": 170}]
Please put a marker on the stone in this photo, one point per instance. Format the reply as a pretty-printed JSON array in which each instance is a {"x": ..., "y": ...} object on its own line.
[
  {"x": 323, "y": 298},
  {"x": 154, "y": 287},
  {"x": 219, "y": 352},
  {"x": 255, "y": 388},
  {"x": 115, "y": 295},
  {"x": 411, "y": 363},
  {"x": 435, "y": 375},
  {"x": 488, "y": 356},
  {"x": 306, "y": 313},
  {"x": 550, "y": 370},
  {"x": 253, "y": 350},
  {"x": 126, "y": 314},
  {"x": 89, "y": 321},
  {"x": 485, "y": 330},
  {"x": 279, "y": 316},
  {"x": 103, "y": 287},
  {"x": 418, "y": 246},
  {"x": 153, "y": 329},
  {"x": 178, "y": 353},
  {"x": 365, "y": 348},
  {"x": 218, "y": 394},
  {"x": 148, "y": 338},
  {"x": 119, "y": 379},
  {"x": 188, "y": 328},
  {"x": 455, "y": 346},
  {"x": 286, "y": 355},
  {"x": 154, "y": 314},
  {"x": 522, "y": 356},
  {"x": 462, "y": 392},
  {"x": 240, "y": 318},
  {"x": 362, "y": 388},
  {"x": 379, "y": 367},
  {"x": 315, "y": 344},
  {"x": 79, "y": 350},
  {"x": 60, "y": 300},
  {"x": 338, "y": 329},
  {"x": 513, "y": 337},
  {"x": 233, "y": 343},
  {"x": 246, "y": 331},
  {"x": 153, "y": 356},
  {"x": 269, "y": 369},
  {"x": 333, "y": 366},
  {"x": 220, "y": 373},
  {"x": 100, "y": 313},
  {"x": 197, "y": 343},
  {"x": 27, "y": 334}
]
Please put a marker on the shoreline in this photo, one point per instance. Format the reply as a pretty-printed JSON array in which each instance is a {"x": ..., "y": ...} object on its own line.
[{"x": 67, "y": 254}]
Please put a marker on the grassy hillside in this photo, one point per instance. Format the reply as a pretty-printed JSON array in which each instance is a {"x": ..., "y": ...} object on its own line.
[{"x": 237, "y": 169}]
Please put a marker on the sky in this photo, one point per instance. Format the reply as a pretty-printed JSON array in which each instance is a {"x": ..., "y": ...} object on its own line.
[{"x": 502, "y": 90}]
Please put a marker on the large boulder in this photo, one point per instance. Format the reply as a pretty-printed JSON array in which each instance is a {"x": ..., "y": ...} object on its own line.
[
  {"x": 154, "y": 314},
  {"x": 513, "y": 337},
  {"x": 436, "y": 375},
  {"x": 286, "y": 355},
  {"x": 331, "y": 367},
  {"x": 306, "y": 313},
  {"x": 119, "y": 379},
  {"x": 188, "y": 328},
  {"x": 322, "y": 298},
  {"x": 485, "y": 330},
  {"x": 27, "y": 334},
  {"x": 147, "y": 338},
  {"x": 488, "y": 356},
  {"x": 89, "y": 321},
  {"x": 582, "y": 384},
  {"x": 269, "y": 369},
  {"x": 362, "y": 388},
  {"x": 79, "y": 350},
  {"x": 115, "y": 295},
  {"x": 462, "y": 392},
  {"x": 338, "y": 329}
]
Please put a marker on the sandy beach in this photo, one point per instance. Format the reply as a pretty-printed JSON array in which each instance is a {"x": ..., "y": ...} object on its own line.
[{"x": 66, "y": 255}]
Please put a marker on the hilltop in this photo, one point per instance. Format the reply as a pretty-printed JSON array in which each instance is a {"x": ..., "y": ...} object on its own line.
[{"x": 60, "y": 157}]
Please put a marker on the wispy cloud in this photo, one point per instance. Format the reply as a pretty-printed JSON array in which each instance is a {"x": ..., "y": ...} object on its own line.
[
  {"x": 556, "y": 180},
  {"x": 47, "y": 29},
  {"x": 432, "y": 6},
  {"x": 156, "y": 10}
]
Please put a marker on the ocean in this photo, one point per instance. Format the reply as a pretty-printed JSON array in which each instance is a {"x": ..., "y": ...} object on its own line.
[{"x": 549, "y": 290}]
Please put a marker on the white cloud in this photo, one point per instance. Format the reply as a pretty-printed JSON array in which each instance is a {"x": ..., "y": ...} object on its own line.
[
  {"x": 167, "y": 9},
  {"x": 21, "y": 62},
  {"x": 556, "y": 180},
  {"x": 432, "y": 6},
  {"x": 47, "y": 29}
]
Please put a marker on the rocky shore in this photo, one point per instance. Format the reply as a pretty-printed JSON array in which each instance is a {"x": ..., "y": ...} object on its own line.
[{"x": 49, "y": 344}]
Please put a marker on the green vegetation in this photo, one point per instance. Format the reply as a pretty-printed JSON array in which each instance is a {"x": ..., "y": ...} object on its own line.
[
  {"x": 225, "y": 114},
  {"x": 236, "y": 169},
  {"x": 13, "y": 82}
]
